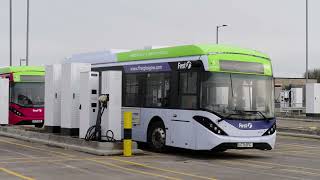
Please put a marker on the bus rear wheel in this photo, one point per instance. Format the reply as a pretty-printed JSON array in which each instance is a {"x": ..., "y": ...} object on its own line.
[{"x": 157, "y": 137}]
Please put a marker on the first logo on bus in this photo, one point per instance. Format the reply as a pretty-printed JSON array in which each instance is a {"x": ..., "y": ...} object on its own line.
[{"x": 185, "y": 65}]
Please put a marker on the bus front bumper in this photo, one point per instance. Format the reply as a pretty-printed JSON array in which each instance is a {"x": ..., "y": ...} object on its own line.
[
  {"x": 211, "y": 141},
  {"x": 259, "y": 142}
]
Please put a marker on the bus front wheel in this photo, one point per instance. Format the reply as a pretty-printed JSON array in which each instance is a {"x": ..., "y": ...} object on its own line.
[{"x": 157, "y": 136}]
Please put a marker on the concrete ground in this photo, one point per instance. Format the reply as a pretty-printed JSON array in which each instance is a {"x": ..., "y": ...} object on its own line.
[
  {"x": 304, "y": 126},
  {"x": 293, "y": 158}
]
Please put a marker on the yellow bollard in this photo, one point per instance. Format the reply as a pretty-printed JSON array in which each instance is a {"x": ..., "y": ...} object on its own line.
[{"x": 127, "y": 134}]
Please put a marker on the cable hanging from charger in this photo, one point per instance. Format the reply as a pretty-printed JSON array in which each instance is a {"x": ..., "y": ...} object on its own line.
[{"x": 94, "y": 133}]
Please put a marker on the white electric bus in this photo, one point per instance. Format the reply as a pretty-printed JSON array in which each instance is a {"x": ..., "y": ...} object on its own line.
[{"x": 200, "y": 97}]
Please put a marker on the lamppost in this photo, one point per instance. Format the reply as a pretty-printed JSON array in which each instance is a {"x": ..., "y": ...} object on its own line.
[
  {"x": 22, "y": 60},
  {"x": 217, "y": 32},
  {"x": 307, "y": 43},
  {"x": 27, "y": 36},
  {"x": 10, "y": 32}
]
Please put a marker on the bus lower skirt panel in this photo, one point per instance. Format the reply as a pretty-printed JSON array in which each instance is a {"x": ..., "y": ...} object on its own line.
[{"x": 225, "y": 146}]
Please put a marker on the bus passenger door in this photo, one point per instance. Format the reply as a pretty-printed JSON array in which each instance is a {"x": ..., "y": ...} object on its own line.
[
  {"x": 182, "y": 133},
  {"x": 182, "y": 130}
]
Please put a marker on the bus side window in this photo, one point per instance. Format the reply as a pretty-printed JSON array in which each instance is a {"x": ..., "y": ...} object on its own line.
[
  {"x": 188, "y": 90},
  {"x": 132, "y": 96},
  {"x": 157, "y": 89}
]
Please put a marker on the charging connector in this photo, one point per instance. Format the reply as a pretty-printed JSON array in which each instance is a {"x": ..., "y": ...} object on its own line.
[{"x": 94, "y": 133}]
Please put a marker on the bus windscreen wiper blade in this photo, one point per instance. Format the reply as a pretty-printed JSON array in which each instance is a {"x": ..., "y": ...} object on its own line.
[
  {"x": 258, "y": 112},
  {"x": 224, "y": 118}
]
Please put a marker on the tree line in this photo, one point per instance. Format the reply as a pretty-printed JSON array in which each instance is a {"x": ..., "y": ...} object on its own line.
[{"x": 313, "y": 74}]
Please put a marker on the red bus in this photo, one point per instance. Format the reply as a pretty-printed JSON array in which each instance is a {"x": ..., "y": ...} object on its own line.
[{"x": 26, "y": 94}]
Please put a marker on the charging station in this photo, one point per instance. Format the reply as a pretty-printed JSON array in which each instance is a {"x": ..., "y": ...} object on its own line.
[
  {"x": 4, "y": 101},
  {"x": 313, "y": 99},
  {"x": 89, "y": 94},
  {"x": 52, "y": 114},
  {"x": 111, "y": 84},
  {"x": 70, "y": 100},
  {"x": 77, "y": 105}
]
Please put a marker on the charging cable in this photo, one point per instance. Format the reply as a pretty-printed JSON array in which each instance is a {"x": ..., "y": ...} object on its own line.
[{"x": 94, "y": 133}]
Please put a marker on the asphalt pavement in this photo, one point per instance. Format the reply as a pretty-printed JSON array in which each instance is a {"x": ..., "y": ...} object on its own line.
[
  {"x": 299, "y": 125},
  {"x": 293, "y": 158}
]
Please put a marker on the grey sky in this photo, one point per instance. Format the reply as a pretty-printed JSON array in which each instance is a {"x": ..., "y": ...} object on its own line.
[{"x": 60, "y": 28}]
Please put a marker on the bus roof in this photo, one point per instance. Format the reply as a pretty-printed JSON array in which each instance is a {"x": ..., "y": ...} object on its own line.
[
  {"x": 23, "y": 73},
  {"x": 21, "y": 69},
  {"x": 185, "y": 50}
]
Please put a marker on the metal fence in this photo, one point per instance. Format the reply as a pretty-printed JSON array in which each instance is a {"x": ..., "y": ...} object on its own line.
[{"x": 290, "y": 108}]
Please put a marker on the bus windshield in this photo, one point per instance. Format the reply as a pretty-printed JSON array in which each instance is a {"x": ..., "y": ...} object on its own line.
[
  {"x": 238, "y": 96},
  {"x": 28, "y": 94}
]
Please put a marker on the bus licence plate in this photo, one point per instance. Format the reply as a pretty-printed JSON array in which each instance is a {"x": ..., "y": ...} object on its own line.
[
  {"x": 36, "y": 121},
  {"x": 245, "y": 145}
]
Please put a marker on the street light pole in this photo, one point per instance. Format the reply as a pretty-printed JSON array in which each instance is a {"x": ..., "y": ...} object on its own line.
[
  {"x": 307, "y": 43},
  {"x": 10, "y": 32},
  {"x": 217, "y": 32},
  {"x": 217, "y": 35},
  {"x": 27, "y": 36},
  {"x": 21, "y": 61}
]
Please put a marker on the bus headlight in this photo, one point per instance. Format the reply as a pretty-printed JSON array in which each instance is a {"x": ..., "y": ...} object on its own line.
[
  {"x": 16, "y": 112},
  {"x": 271, "y": 130},
  {"x": 206, "y": 122}
]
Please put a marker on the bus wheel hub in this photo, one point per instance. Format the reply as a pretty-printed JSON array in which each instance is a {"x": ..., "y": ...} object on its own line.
[{"x": 158, "y": 137}]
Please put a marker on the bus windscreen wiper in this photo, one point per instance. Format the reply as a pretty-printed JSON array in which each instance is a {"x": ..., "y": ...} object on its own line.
[
  {"x": 224, "y": 118},
  {"x": 242, "y": 112},
  {"x": 258, "y": 112}
]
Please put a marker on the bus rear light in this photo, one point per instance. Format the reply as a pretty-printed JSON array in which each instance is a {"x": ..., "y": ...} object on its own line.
[
  {"x": 16, "y": 112},
  {"x": 271, "y": 130},
  {"x": 206, "y": 122}
]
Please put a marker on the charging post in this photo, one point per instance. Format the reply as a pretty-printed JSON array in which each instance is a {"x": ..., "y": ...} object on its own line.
[
  {"x": 89, "y": 103},
  {"x": 127, "y": 134},
  {"x": 4, "y": 101},
  {"x": 108, "y": 123},
  {"x": 111, "y": 84},
  {"x": 70, "y": 97},
  {"x": 52, "y": 115}
]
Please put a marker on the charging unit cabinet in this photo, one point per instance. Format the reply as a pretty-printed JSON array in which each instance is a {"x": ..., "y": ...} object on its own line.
[
  {"x": 296, "y": 97},
  {"x": 111, "y": 83},
  {"x": 89, "y": 105},
  {"x": 52, "y": 100},
  {"x": 4, "y": 101},
  {"x": 70, "y": 101},
  {"x": 313, "y": 99}
]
